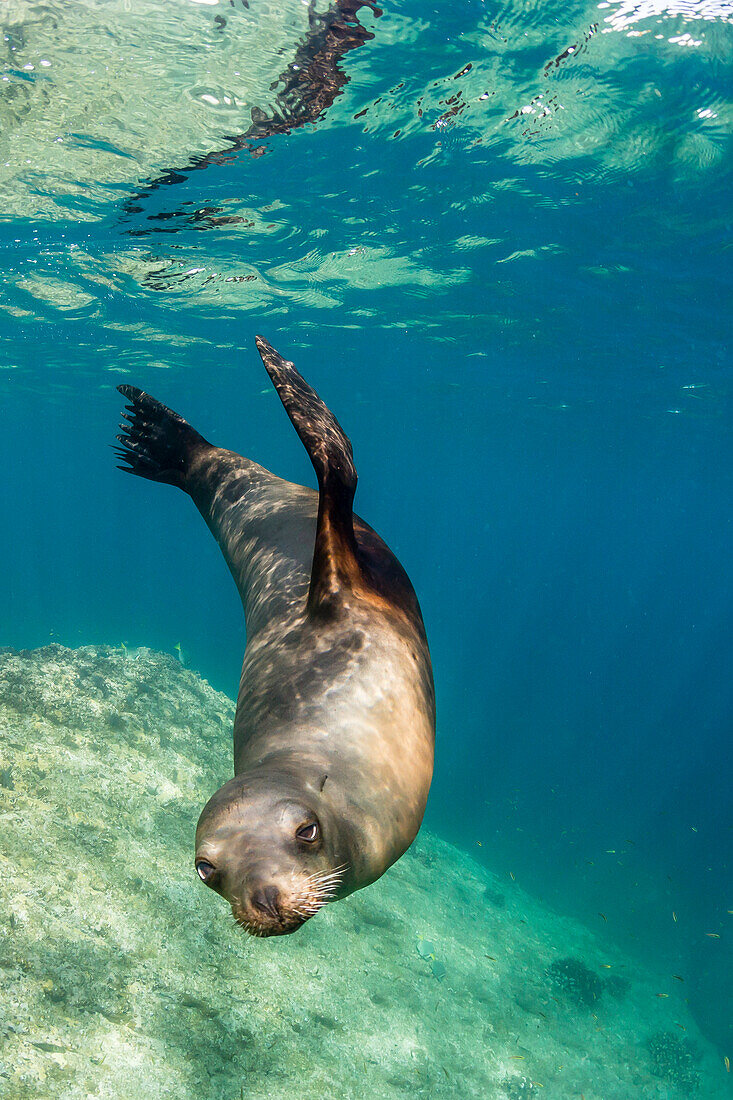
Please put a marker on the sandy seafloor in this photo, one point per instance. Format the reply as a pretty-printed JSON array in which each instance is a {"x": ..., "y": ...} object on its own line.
[{"x": 122, "y": 977}]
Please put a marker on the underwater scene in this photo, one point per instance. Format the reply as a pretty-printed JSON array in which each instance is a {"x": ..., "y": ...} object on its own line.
[{"x": 478, "y": 254}]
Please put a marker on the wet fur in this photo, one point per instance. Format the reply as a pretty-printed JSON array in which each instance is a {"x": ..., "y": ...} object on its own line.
[{"x": 336, "y": 679}]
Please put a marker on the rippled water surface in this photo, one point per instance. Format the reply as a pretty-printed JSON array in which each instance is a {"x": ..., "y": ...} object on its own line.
[{"x": 496, "y": 238}]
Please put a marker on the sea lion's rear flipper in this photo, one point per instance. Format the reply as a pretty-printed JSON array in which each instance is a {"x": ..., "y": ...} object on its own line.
[
  {"x": 336, "y": 566},
  {"x": 156, "y": 442}
]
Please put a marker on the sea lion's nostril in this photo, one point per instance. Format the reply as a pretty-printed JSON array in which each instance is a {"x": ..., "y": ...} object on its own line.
[{"x": 266, "y": 901}]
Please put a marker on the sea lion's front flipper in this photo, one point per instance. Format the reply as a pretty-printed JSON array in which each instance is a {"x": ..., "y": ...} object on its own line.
[
  {"x": 156, "y": 442},
  {"x": 336, "y": 566}
]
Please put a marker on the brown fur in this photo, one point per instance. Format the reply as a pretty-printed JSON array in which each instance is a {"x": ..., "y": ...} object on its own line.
[{"x": 335, "y": 718}]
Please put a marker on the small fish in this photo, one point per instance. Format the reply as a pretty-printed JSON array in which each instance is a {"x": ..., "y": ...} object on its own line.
[
  {"x": 713, "y": 935},
  {"x": 679, "y": 979},
  {"x": 511, "y": 876},
  {"x": 674, "y": 916},
  {"x": 726, "y": 1061},
  {"x": 492, "y": 957},
  {"x": 604, "y": 916},
  {"x": 180, "y": 654},
  {"x": 438, "y": 969},
  {"x": 606, "y": 966},
  {"x": 663, "y": 994},
  {"x": 479, "y": 844}
]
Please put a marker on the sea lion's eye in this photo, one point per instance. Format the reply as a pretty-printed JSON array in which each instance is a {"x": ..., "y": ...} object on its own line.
[
  {"x": 206, "y": 870},
  {"x": 309, "y": 833}
]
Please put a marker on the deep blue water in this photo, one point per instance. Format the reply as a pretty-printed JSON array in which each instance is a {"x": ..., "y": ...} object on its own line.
[{"x": 524, "y": 328}]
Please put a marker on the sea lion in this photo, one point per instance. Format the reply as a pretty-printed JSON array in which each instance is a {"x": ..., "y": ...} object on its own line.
[{"x": 335, "y": 722}]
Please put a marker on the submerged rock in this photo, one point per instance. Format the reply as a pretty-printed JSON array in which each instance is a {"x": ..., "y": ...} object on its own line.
[
  {"x": 121, "y": 977},
  {"x": 575, "y": 980}
]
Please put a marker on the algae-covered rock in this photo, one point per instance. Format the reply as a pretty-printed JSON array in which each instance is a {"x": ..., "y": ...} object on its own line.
[
  {"x": 675, "y": 1059},
  {"x": 123, "y": 978},
  {"x": 575, "y": 980}
]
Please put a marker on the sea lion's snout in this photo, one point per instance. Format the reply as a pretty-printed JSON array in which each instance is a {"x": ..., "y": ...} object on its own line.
[
  {"x": 267, "y": 901},
  {"x": 259, "y": 906},
  {"x": 268, "y": 911}
]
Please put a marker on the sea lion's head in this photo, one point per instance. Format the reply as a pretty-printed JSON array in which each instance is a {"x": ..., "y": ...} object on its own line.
[{"x": 272, "y": 849}]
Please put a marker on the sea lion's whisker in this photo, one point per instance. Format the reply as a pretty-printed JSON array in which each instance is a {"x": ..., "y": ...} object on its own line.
[
  {"x": 328, "y": 886},
  {"x": 326, "y": 878},
  {"x": 321, "y": 895},
  {"x": 339, "y": 870},
  {"x": 320, "y": 888},
  {"x": 315, "y": 877}
]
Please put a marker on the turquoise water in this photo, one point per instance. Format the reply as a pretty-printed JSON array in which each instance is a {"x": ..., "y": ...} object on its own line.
[{"x": 497, "y": 241}]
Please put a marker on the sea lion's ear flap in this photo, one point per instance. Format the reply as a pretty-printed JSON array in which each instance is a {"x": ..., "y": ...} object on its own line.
[{"x": 336, "y": 563}]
